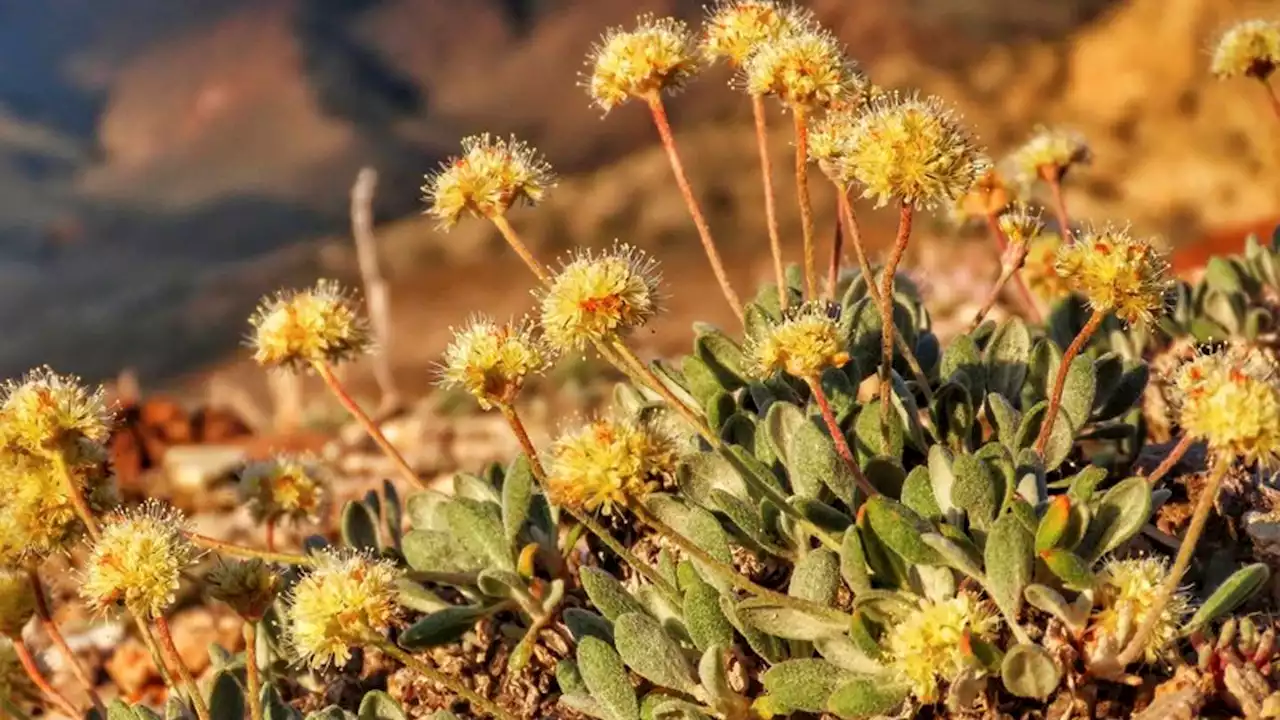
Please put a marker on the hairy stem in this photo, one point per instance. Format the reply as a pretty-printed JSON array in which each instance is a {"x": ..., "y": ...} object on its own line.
[
  {"x": 837, "y": 250},
  {"x": 1054, "y": 180},
  {"x": 45, "y": 613},
  {"x": 770, "y": 204},
  {"x": 659, "y": 112},
  {"x": 325, "y": 370},
  {"x": 222, "y": 547},
  {"x": 1175, "y": 454},
  {"x": 1060, "y": 382},
  {"x": 801, "y": 122},
  {"x": 75, "y": 492},
  {"x": 1024, "y": 292},
  {"x": 479, "y": 704},
  {"x": 33, "y": 671},
  {"x": 837, "y": 435},
  {"x": 193, "y": 690},
  {"x": 513, "y": 239},
  {"x": 270, "y": 532},
  {"x": 1008, "y": 271},
  {"x": 905, "y": 216},
  {"x": 253, "y": 678}
]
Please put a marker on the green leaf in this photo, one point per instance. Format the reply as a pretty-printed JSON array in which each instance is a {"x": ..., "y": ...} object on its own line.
[
  {"x": 332, "y": 712},
  {"x": 957, "y": 556},
  {"x": 1005, "y": 419},
  {"x": 475, "y": 489},
  {"x": 853, "y": 562},
  {"x": 814, "y": 463},
  {"x": 917, "y": 494},
  {"x": 803, "y": 685},
  {"x": 1009, "y": 562},
  {"x": 394, "y": 513},
  {"x": 607, "y": 594},
  {"x": 866, "y": 697},
  {"x": 377, "y": 705},
  {"x": 1029, "y": 671},
  {"x": 942, "y": 477},
  {"x": 841, "y": 393},
  {"x": 606, "y": 677},
  {"x": 1230, "y": 595},
  {"x": 442, "y": 627},
  {"x": 900, "y": 529},
  {"x": 770, "y": 648},
  {"x": 704, "y": 472},
  {"x": 1071, "y": 569},
  {"x": 584, "y": 623},
  {"x": 274, "y": 707},
  {"x": 722, "y": 356},
  {"x": 1122, "y": 512},
  {"x": 702, "y": 380},
  {"x": 434, "y": 551},
  {"x": 226, "y": 699},
  {"x": 569, "y": 678},
  {"x": 962, "y": 356},
  {"x": 647, "y": 649},
  {"x": 780, "y": 426},
  {"x": 359, "y": 527},
  {"x": 816, "y": 577},
  {"x": 869, "y": 435},
  {"x": 1077, "y": 394},
  {"x": 707, "y": 625},
  {"x": 977, "y": 490},
  {"x": 1061, "y": 438},
  {"x": 477, "y": 526},
  {"x": 714, "y": 676},
  {"x": 787, "y": 622},
  {"x": 1053, "y": 525},
  {"x": 1006, "y": 358},
  {"x": 846, "y": 654},
  {"x": 517, "y": 496}
]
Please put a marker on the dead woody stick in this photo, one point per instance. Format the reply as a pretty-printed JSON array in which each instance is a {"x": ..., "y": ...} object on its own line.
[{"x": 377, "y": 293}]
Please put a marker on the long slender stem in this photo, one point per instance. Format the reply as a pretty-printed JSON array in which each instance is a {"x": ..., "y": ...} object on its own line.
[
  {"x": 270, "y": 532},
  {"x": 33, "y": 671},
  {"x": 513, "y": 239},
  {"x": 1060, "y": 382},
  {"x": 45, "y": 612},
  {"x": 1204, "y": 505},
  {"x": 157, "y": 656},
  {"x": 75, "y": 492},
  {"x": 1009, "y": 270},
  {"x": 801, "y": 123},
  {"x": 223, "y": 547},
  {"x": 770, "y": 203},
  {"x": 325, "y": 370},
  {"x": 253, "y": 678},
  {"x": 659, "y": 112},
  {"x": 478, "y": 703},
  {"x": 193, "y": 690},
  {"x": 1051, "y": 177},
  {"x": 1272, "y": 97},
  {"x": 905, "y": 216},
  {"x": 837, "y": 435},
  {"x": 837, "y": 250},
  {"x": 1170, "y": 460},
  {"x": 1028, "y": 300}
]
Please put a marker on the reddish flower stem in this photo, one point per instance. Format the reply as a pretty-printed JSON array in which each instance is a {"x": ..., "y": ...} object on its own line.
[
  {"x": 513, "y": 239},
  {"x": 1028, "y": 300},
  {"x": 905, "y": 215},
  {"x": 1060, "y": 382},
  {"x": 45, "y": 613},
  {"x": 770, "y": 203},
  {"x": 837, "y": 435},
  {"x": 325, "y": 370},
  {"x": 801, "y": 123},
  {"x": 837, "y": 250},
  {"x": 1171, "y": 459},
  {"x": 175, "y": 659},
  {"x": 33, "y": 671},
  {"x": 1051, "y": 177}
]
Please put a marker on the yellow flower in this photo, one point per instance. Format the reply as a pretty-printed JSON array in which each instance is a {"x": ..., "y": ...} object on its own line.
[
  {"x": 137, "y": 560},
  {"x": 1230, "y": 399},
  {"x": 338, "y": 605},
  {"x": 1040, "y": 271},
  {"x": 248, "y": 586},
  {"x": 913, "y": 150},
  {"x": 611, "y": 462},
  {"x": 1049, "y": 154},
  {"x": 47, "y": 412},
  {"x": 37, "y": 517},
  {"x": 1249, "y": 49},
  {"x": 927, "y": 646},
  {"x": 285, "y": 486},
  {"x": 831, "y": 144},
  {"x": 600, "y": 297},
  {"x": 1118, "y": 273},
  {"x": 803, "y": 344},
  {"x": 492, "y": 361},
  {"x": 1021, "y": 225},
  {"x": 489, "y": 177},
  {"x": 806, "y": 70},
  {"x": 15, "y": 684},
  {"x": 320, "y": 324},
  {"x": 658, "y": 55},
  {"x": 1125, "y": 594},
  {"x": 17, "y": 602},
  {"x": 737, "y": 28}
]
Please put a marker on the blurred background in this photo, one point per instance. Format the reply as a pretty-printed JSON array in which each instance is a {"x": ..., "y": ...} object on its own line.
[{"x": 163, "y": 164}]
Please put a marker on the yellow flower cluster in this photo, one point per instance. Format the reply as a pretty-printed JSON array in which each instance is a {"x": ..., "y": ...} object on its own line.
[
  {"x": 284, "y": 487},
  {"x": 248, "y": 587},
  {"x": 608, "y": 462},
  {"x": 1049, "y": 154},
  {"x": 736, "y": 29},
  {"x": 1021, "y": 225},
  {"x": 344, "y": 599},
  {"x": 1231, "y": 400},
  {"x": 599, "y": 297},
  {"x": 137, "y": 561},
  {"x": 803, "y": 344},
  {"x": 831, "y": 145},
  {"x": 47, "y": 412},
  {"x": 660, "y": 54},
  {"x": 489, "y": 177},
  {"x": 806, "y": 70},
  {"x": 17, "y": 602},
  {"x": 37, "y": 517},
  {"x": 1117, "y": 272},
  {"x": 316, "y": 325},
  {"x": 927, "y": 646},
  {"x": 1248, "y": 49},
  {"x": 492, "y": 361},
  {"x": 1040, "y": 271},
  {"x": 1126, "y": 591}
]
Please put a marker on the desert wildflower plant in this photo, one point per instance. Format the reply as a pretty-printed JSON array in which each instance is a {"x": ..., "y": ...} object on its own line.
[{"x": 830, "y": 510}]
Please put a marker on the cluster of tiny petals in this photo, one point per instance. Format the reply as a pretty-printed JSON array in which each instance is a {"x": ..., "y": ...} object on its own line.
[
  {"x": 1117, "y": 272},
  {"x": 491, "y": 361},
  {"x": 292, "y": 487},
  {"x": 490, "y": 176},
  {"x": 1040, "y": 270},
  {"x": 137, "y": 560},
  {"x": 247, "y": 586},
  {"x": 334, "y": 607},
  {"x": 927, "y": 646},
  {"x": 45, "y": 410},
  {"x": 1248, "y": 49},
  {"x": 659, "y": 54},
  {"x": 831, "y": 145},
  {"x": 1231, "y": 400},
  {"x": 37, "y": 517},
  {"x": 1126, "y": 591},
  {"x": 736, "y": 29},
  {"x": 1021, "y": 225},
  {"x": 17, "y": 602},
  {"x": 1050, "y": 153},
  {"x": 598, "y": 297},
  {"x": 611, "y": 462},
  {"x": 803, "y": 344},
  {"x": 915, "y": 150},
  {"x": 806, "y": 69},
  {"x": 322, "y": 324}
]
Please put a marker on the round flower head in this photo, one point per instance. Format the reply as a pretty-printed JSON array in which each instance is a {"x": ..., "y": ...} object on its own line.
[
  {"x": 914, "y": 150},
  {"x": 46, "y": 411},
  {"x": 339, "y": 604},
  {"x": 1040, "y": 270},
  {"x": 1118, "y": 273},
  {"x": 1126, "y": 591},
  {"x": 598, "y": 297},
  {"x": 927, "y": 646},
  {"x": 660, "y": 54},
  {"x": 37, "y": 516},
  {"x": 1049, "y": 154},
  {"x": 137, "y": 560},
  {"x": 317, "y": 325},
  {"x": 831, "y": 145},
  {"x": 248, "y": 586},
  {"x": 806, "y": 342},
  {"x": 17, "y": 602},
  {"x": 610, "y": 462},
  {"x": 290, "y": 487},
  {"x": 489, "y": 177},
  {"x": 990, "y": 195},
  {"x": 1021, "y": 225},
  {"x": 736, "y": 29},
  {"x": 806, "y": 69},
  {"x": 492, "y": 361},
  {"x": 1249, "y": 49},
  {"x": 1231, "y": 400},
  {"x": 15, "y": 684}
]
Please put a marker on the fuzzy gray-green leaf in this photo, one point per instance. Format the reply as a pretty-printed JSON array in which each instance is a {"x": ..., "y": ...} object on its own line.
[
  {"x": 1077, "y": 393},
  {"x": 1006, "y": 357},
  {"x": 478, "y": 527},
  {"x": 1071, "y": 569},
  {"x": 704, "y": 619},
  {"x": 900, "y": 529},
  {"x": 814, "y": 464},
  {"x": 441, "y": 627},
  {"x": 816, "y": 577},
  {"x": 517, "y": 496},
  {"x": 853, "y": 561},
  {"x": 803, "y": 685},
  {"x": 359, "y": 527},
  {"x": 1230, "y": 595},
  {"x": 606, "y": 677},
  {"x": 917, "y": 494},
  {"x": 584, "y": 623},
  {"x": 1029, "y": 671},
  {"x": 864, "y": 697},
  {"x": 788, "y": 622},
  {"x": 1009, "y": 561},
  {"x": 722, "y": 356},
  {"x": 433, "y": 551},
  {"x": 377, "y": 705},
  {"x": 977, "y": 490},
  {"x": 647, "y": 649},
  {"x": 607, "y": 594},
  {"x": 226, "y": 699},
  {"x": 1122, "y": 512}
]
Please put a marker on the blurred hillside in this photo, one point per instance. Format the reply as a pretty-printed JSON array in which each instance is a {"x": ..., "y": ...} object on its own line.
[{"x": 162, "y": 164}]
